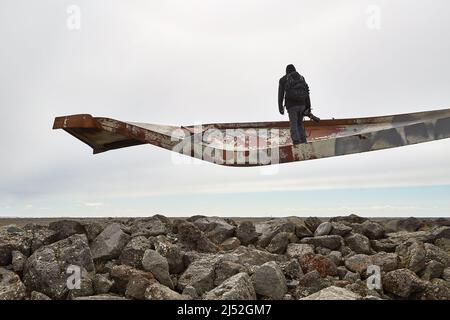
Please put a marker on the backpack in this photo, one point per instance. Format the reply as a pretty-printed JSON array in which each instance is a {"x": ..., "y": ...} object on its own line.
[{"x": 296, "y": 89}]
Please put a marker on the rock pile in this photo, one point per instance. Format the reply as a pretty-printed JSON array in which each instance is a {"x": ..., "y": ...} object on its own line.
[{"x": 215, "y": 258}]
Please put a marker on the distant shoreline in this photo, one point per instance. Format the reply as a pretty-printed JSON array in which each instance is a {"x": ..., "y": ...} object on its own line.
[{"x": 22, "y": 221}]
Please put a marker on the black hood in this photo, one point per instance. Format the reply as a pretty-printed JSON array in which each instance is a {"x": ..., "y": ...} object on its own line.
[
  {"x": 295, "y": 75},
  {"x": 290, "y": 68}
]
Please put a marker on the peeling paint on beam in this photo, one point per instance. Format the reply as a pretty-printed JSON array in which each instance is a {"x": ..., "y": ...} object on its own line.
[{"x": 262, "y": 143}]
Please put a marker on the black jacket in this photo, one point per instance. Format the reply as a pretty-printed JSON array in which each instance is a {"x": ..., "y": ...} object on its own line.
[{"x": 282, "y": 92}]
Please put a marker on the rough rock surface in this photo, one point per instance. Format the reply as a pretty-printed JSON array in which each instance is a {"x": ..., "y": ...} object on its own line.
[
  {"x": 333, "y": 293},
  {"x": 331, "y": 242},
  {"x": 66, "y": 228},
  {"x": 358, "y": 243},
  {"x": 246, "y": 233},
  {"x": 46, "y": 269},
  {"x": 158, "y": 266},
  {"x": 220, "y": 258},
  {"x": 150, "y": 227},
  {"x": 123, "y": 274},
  {"x": 324, "y": 265},
  {"x": 133, "y": 252},
  {"x": 157, "y": 291},
  {"x": 11, "y": 287},
  {"x": 173, "y": 254},
  {"x": 109, "y": 243},
  {"x": 237, "y": 287},
  {"x": 102, "y": 284},
  {"x": 323, "y": 229},
  {"x": 41, "y": 235},
  {"x": 269, "y": 281},
  {"x": 297, "y": 250},
  {"x": 12, "y": 239},
  {"x": 215, "y": 228},
  {"x": 199, "y": 274},
  {"x": 193, "y": 238},
  {"x": 230, "y": 244},
  {"x": 402, "y": 282},
  {"x": 279, "y": 243}
]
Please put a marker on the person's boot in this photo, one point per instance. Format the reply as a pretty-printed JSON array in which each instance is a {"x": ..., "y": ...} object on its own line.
[
  {"x": 296, "y": 143},
  {"x": 314, "y": 118}
]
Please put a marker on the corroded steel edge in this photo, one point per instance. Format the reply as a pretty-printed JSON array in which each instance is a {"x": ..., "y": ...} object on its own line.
[{"x": 423, "y": 127}]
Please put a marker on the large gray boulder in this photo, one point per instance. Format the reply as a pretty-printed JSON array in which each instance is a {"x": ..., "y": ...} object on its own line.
[
  {"x": 227, "y": 266},
  {"x": 297, "y": 250},
  {"x": 66, "y": 228},
  {"x": 312, "y": 223},
  {"x": 215, "y": 228},
  {"x": 279, "y": 242},
  {"x": 12, "y": 239},
  {"x": 269, "y": 281},
  {"x": 435, "y": 253},
  {"x": 373, "y": 230},
  {"x": 39, "y": 296},
  {"x": 246, "y": 233},
  {"x": 323, "y": 229},
  {"x": 292, "y": 269},
  {"x": 436, "y": 289},
  {"x": 200, "y": 275},
  {"x": 230, "y": 244},
  {"x": 93, "y": 228},
  {"x": 155, "y": 263},
  {"x": 149, "y": 227},
  {"x": 46, "y": 269},
  {"x": 237, "y": 287},
  {"x": 172, "y": 253},
  {"x": 255, "y": 257},
  {"x": 336, "y": 257},
  {"x": 192, "y": 238},
  {"x": 358, "y": 262},
  {"x": 402, "y": 282},
  {"x": 123, "y": 274},
  {"x": 324, "y": 265},
  {"x": 433, "y": 269},
  {"x": 86, "y": 286},
  {"x": 109, "y": 243},
  {"x": 137, "y": 286},
  {"x": 11, "y": 288},
  {"x": 101, "y": 297},
  {"x": 18, "y": 261},
  {"x": 331, "y": 242},
  {"x": 358, "y": 243},
  {"x": 431, "y": 235},
  {"x": 383, "y": 245},
  {"x": 410, "y": 224},
  {"x": 269, "y": 229},
  {"x": 446, "y": 274},
  {"x": 340, "y": 229},
  {"x": 333, "y": 293},
  {"x": 352, "y": 218},
  {"x": 133, "y": 252},
  {"x": 102, "y": 283},
  {"x": 444, "y": 244},
  {"x": 41, "y": 235},
  {"x": 412, "y": 255},
  {"x": 311, "y": 283},
  {"x": 386, "y": 261},
  {"x": 158, "y": 291}
]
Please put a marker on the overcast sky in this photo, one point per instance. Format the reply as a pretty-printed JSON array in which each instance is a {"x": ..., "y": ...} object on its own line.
[{"x": 190, "y": 61}]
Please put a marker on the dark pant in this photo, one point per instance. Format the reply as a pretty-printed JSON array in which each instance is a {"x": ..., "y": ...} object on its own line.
[{"x": 296, "y": 114}]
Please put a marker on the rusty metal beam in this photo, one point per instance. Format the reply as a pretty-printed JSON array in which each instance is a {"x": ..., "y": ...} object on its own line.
[{"x": 262, "y": 143}]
